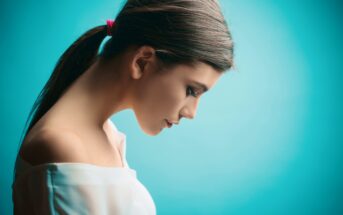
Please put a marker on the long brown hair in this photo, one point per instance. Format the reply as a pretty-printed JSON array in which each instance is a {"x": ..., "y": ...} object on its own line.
[{"x": 182, "y": 31}]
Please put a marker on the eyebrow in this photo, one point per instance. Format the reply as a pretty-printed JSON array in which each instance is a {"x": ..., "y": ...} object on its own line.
[{"x": 203, "y": 86}]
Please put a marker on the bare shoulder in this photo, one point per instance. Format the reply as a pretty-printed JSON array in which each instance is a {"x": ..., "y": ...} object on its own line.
[{"x": 53, "y": 145}]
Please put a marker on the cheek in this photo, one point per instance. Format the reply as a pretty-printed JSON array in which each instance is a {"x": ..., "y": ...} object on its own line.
[
  {"x": 161, "y": 98},
  {"x": 157, "y": 101}
]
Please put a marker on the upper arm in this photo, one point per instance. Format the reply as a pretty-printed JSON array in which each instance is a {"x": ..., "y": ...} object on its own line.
[{"x": 53, "y": 146}]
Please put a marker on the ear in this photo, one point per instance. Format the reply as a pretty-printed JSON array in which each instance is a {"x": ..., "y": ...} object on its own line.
[{"x": 142, "y": 60}]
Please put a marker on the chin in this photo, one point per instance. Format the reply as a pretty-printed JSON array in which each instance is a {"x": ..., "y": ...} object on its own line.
[
  {"x": 150, "y": 129},
  {"x": 151, "y": 132}
]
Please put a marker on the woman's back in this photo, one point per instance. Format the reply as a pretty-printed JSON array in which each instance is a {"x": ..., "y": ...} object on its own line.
[
  {"x": 68, "y": 185},
  {"x": 51, "y": 141}
]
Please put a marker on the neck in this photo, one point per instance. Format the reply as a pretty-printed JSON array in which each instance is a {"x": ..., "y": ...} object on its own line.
[{"x": 96, "y": 95}]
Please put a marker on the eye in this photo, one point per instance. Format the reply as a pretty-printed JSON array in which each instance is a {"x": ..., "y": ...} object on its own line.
[{"x": 191, "y": 91}]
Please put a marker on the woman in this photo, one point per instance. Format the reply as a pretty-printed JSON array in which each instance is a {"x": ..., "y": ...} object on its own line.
[{"x": 161, "y": 57}]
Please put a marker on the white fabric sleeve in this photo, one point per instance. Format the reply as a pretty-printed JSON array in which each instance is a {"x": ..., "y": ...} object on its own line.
[{"x": 86, "y": 189}]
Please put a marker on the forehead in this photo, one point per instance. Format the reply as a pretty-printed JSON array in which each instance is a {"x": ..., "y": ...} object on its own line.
[{"x": 200, "y": 72}]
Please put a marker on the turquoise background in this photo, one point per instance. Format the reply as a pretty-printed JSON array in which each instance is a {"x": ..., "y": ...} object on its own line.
[{"x": 267, "y": 139}]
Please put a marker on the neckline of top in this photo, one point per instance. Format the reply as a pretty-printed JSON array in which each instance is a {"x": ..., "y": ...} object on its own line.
[{"x": 24, "y": 165}]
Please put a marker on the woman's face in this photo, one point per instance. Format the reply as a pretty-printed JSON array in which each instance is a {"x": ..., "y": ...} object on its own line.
[{"x": 171, "y": 95}]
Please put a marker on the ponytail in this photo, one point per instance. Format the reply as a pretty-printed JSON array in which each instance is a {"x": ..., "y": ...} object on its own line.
[{"x": 72, "y": 64}]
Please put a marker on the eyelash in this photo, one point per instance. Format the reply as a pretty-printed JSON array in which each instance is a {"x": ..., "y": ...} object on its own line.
[{"x": 192, "y": 91}]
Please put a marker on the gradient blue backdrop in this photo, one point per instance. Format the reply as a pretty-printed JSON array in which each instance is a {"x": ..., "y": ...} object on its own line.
[{"x": 267, "y": 139}]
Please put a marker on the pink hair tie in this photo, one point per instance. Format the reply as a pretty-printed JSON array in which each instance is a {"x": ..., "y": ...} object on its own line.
[{"x": 110, "y": 24}]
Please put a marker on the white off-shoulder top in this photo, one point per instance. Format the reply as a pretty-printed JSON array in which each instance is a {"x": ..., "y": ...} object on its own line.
[{"x": 80, "y": 188}]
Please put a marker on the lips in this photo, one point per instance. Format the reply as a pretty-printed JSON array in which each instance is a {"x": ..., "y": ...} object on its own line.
[{"x": 169, "y": 124}]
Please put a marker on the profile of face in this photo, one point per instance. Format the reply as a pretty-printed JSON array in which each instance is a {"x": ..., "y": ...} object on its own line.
[{"x": 169, "y": 94}]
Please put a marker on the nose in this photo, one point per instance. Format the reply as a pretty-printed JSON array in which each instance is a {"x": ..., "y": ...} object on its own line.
[{"x": 189, "y": 110}]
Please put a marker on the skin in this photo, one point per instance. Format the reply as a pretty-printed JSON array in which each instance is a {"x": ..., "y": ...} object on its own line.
[
  {"x": 157, "y": 96},
  {"x": 128, "y": 81}
]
